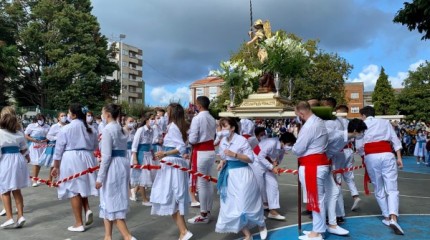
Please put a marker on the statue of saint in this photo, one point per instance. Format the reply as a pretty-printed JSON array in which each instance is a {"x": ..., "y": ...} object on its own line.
[{"x": 262, "y": 31}]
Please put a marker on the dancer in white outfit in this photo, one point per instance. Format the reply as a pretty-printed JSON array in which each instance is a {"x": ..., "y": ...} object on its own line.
[
  {"x": 241, "y": 206},
  {"x": 73, "y": 154},
  {"x": 113, "y": 177},
  {"x": 420, "y": 147},
  {"x": 201, "y": 137},
  {"x": 36, "y": 133},
  {"x": 13, "y": 168},
  {"x": 378, "y": 142},
  {"x": 169, "y": 195}
]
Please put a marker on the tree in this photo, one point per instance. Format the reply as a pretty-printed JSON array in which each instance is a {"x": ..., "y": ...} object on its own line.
[
  {"x": 63, "y": 55},
  {"x": 415, "y": 97},
  {"x": 415, "y": 15},
  {"x": 383, "y": 97}
]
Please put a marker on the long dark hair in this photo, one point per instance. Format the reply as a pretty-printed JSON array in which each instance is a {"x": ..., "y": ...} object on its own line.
[
  {"x": 114, "y": 110},
  {"x": 144, "y": 118},
  {"x": 76, "y": 109},
  {"x": 176, "y": 114}
]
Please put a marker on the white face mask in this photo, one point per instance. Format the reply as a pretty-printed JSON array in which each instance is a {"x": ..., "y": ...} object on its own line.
[
  {"x": 89, "y": 119},
  {"x": 263, "y": 137},
  {"x": 359, "y": 136},
  {"x": 225, "y": 133},
  {"x": 40, "y": 122},
  {"x": 131, "y": 125},
  {"x": 103, "y": 119},
  {"x": 69, "y": 118},
  {"x": 151, "y": 122},
  {"x": 63, "y": 119},
  {"x": 287, "y": 148}
]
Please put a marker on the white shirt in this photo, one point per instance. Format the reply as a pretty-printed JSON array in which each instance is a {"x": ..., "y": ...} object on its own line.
[
  {"x": 157, "y": 134},
  {"x": 174, "y": 139},
  {"x": 35, "y": 130},
  {"x": 8, "y": 139},
  {"x": 53, "y": 131},
  {"x": 113, "y": 139},
  {"x": 380, "y": 130},
  {"x": 203, "y": 128},
  {"x": 312, "y": 138},
  {"x": 246, "y": 127},
  {"x": 270, "y": 147},
  {"x": 143, "y": 136},
  {"x": 253, "y": 141},
  {"x": 237, "y": 145},
  {"x": 74, "y": 136},
  {"x": 100, "y": 127}
]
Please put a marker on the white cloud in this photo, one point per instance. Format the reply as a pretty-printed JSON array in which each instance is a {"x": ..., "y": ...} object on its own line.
[
  {"x": 162, "y": 96},
  {"x": 369, "y": 75}
]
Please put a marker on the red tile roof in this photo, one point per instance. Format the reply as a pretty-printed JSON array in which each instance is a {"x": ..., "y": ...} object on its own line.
[{"x": 208, "y": 80}]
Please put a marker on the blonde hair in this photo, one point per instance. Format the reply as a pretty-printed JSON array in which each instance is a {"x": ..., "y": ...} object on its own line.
[
  {"x": 10, "y": 123},
  {"x": 8, "y": 110}
]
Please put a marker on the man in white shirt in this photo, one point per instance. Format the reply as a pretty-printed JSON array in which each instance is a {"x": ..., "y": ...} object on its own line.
[
  {"x": 201, "y": 137},
  {"x": 378, "y": 142},
  {"x": 310, "y": 148},
  {"x": 260, "y": 134}
]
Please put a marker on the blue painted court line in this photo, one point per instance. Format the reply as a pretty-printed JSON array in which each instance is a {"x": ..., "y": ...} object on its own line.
[
  {"x": 410, "y": 165},
  {"x": 416, "y": 227}
]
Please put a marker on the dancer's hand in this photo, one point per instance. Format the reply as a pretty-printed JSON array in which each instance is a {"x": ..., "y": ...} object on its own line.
[
  {"x": 399, "y": 163},
  {"x": 98, "y": 185},
  {"x": 55, "y": 172},
  {"x": 220, "y": 165}
]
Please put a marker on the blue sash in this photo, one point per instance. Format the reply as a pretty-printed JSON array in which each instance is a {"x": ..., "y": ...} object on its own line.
[
  {"x": 119, "y": 153},
  {"x": 421, "y": 143},
  {"x": 9, "y": 150},
  {"x": 141, "y": 149},
  {"x": 37, "y": 138},
  {"x": 129, "y": 145},
  {"x": 50, "y": 149},
  {"x": 77, "y": 149},
  {"x": 223, "y": 176},
  {"x": 165, "y": 149}
]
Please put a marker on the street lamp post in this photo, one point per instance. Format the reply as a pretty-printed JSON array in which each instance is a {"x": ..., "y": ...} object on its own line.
[{"x": 121, "y": 37}]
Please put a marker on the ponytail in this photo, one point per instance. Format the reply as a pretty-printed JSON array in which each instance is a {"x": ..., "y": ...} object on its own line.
[{"x": 80, "y": 112}]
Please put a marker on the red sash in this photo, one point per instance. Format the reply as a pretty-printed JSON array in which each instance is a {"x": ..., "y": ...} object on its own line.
[
  {"x": 257, "y": 150},
  {"x": 311, "y": 162},
  {"x": 372, "y": 148},
  {"x": 349, "y": 145},
  {"x": 203, "y": 146},
  {"x": 246, "y": 136}
]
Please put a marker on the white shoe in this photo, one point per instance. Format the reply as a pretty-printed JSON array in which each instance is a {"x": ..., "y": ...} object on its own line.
[
  {"x": 147, "y": 204},
  {"x": 133, "y": 238},
  {"x": 306, "y": 237},
  {"x": 386, "y": 222},
  {"x": 133, "y": 195},
  {"x": 396, "y": 227},
  {"x": 199, "y": 219},
  {"x": 187, "y": 236},
  {"x": 89, "y": 218},
  {"x": 3, "y": 212},
  {"x": 8, "y": 224},
  {"x": 76, "y": 229},
  {"x": 263, "y": 233},
  {"x": 35, "y": 184},
  {"x": 21, "y": 222},
  {"x": 337, "y": 231},
  {"x": 195, "y": 204},
  {"x": 278, "y": 217},
  {"x": 355, "y": 205}
]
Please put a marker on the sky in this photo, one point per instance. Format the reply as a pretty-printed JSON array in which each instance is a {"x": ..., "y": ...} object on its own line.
[{"x": 183, "y": 40}]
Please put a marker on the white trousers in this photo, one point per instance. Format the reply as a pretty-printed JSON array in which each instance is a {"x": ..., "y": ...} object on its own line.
[
  {"x": 205, "y": 163},
  {"x": 318, "y": 219},
  {"x": 334, "y": 189},
  {"x": 268, "y": 184},
  {"x": 382, "y": 169},
  {"x": 348, "y": 177}
]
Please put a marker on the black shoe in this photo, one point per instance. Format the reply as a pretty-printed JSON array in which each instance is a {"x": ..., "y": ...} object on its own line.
[{"x": 340, "y": 220}]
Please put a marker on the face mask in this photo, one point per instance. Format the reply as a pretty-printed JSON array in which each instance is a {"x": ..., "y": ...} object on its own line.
[
  {"x": 103, "y": 120},
  {"x": 420, "y": 134},
  {"x": 63, "y": 119},
  {"x": 69, "y": 118},
  {"x": 359, "y": 136},
  {"x": 298, "y": 120},
  {"x": 40, "y": 122},
  {"x": 89, "y": 119},
  {"x": 131, "y": 125},
  {"x": 225, "y": 133},
  {"x": 287, "y": 148},
  {"x": 151, "y": 122},
  {"x": 263, "y": 137}
]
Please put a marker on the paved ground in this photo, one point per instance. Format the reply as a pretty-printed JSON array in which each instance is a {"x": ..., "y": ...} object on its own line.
[{"x": 48, "y": 218}]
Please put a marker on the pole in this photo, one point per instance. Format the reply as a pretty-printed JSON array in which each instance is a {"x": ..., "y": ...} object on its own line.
[
  {"x": 250, "y": 13},
  {"x": 299, "y": 202},
  {"x": 121, "y": 36}
]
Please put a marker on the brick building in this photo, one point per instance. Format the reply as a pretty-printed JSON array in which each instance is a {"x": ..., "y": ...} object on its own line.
[{"x": 354, "y": 96}]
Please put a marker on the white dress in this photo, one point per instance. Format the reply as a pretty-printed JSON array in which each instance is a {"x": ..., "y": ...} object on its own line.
[
  {"x": 142, "y": 145},
  {"x": 420, "y": 146},
  {"x": 241, "y": 204},
  {"x": 75, "y": 148},
  {"x": 114, "y": 173},
  {"x": 38, "y": 132},
  {"x": 48, "y": 152},
  {"x": 170, "y": 189},
  {"x": 13, "y": 167}
]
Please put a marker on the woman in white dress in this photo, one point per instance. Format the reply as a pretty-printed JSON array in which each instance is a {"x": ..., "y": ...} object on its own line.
[
  {"x": 73, "y": 154},
  {"x": 169, "y": 195},
  {"x": 48, "y": 153},
  {"x": 142, "y": 154},
  {"x": 36, "y": 133},
  {"x": 114, "y": 174},
  {"x": 130, "y": 130},
  {"x": 241, "y": 205},
  {"x": 13, "y": 168},
  {"x": 420, "y": 147}
]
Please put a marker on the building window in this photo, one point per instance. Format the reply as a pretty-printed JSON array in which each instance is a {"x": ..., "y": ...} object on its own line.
[
  {"x": 355, "y": 110},
  {"x": 200, "y": 92},
  {"x": 124, "y": 52},
  {"x": 132, "y": 77},
  {"x": 124, "y": 63},
  {"x": 213, "y": 92},
  {"x": 355, "y": 95},
  {"x": 132, "y": 89},
  {"x": 124, "y": 75}
]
